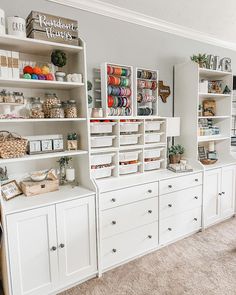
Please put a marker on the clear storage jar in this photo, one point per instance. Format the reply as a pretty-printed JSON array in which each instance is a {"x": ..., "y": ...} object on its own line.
[
  {"x": 57, "y": 111},
  {"x": 71, "y": 109},
  {"x": 51, "y": 100},
  {"x": 36, "y": 110}
]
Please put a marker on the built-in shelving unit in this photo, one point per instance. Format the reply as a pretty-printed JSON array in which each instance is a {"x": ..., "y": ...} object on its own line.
[{"x": 188, "y": 98}]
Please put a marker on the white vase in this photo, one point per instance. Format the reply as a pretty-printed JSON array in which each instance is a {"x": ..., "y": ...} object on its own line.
[{"x": 16, "y": 26}]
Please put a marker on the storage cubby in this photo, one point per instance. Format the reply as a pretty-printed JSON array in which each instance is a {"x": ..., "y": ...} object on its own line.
[
  {"x": 103, "y": 165},
  {"x": 146, "y": 92}
]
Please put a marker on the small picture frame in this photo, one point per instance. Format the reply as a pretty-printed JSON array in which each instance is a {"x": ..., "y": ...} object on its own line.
[
  {"x": 201, "y": 153},
  {"x": 10, "y": 190}
]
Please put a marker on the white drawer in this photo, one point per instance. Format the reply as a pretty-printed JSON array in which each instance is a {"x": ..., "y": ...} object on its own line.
[
  {"x": 129, "y": 244},
  {"x": 179, "y": 183},
  {"x": 124, "y": 218},
  {"x": 181, "y": 201},
  {"x": 179, "y": 225},
  {"x": 128, "y": 195}
]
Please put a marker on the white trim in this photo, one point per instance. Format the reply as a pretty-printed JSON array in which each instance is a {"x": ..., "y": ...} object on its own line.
[{"x": 123, "y": 14}]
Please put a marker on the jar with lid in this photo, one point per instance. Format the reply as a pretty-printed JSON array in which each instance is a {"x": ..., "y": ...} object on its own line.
[
  {"x": 51, "y": 100},
  {"x": 9, "y": 97},
  {"x": 57, "y": 111},
  {"x": 36, "y": 110},
  {"x": 70, "y": 109},
  {"x": 19, "y": 97}
]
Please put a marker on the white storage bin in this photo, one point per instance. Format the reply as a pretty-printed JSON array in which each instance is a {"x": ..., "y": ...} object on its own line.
[
  {"x": 153, "y": 125},
  {"x": 129, "y": 139},
  {"x": 129, "y": 126},
  {"x": 101, "y": 127},
  {"x": 152, "y": 153},
  {"x": 127, "y": 169},
  {"x": 152, "y": 165},
  {"x": 152, "y": 137},
  {"x": 102, "y": 141},
  {"x": 102, "y": 172},
  {"x": 101, "y": 159},
  {"x": 129, "y": 156}
]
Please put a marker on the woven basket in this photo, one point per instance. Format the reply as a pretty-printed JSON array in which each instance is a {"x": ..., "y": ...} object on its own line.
[{"x": 12, "y": 145}]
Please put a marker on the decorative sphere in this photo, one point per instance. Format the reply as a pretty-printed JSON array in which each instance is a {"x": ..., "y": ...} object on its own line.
[
  {"x": 28, "y": 70},
  {"x": 37, "y": 70},
  {"x": 27, "y": 76},
  {"x": 34, "y": 77},
  {"x": 45, "y": 70},
  {"x": 50, "y": 77}
]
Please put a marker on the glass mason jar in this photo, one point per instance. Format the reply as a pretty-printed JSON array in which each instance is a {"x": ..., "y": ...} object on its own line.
[
  {"x": 51, "y": 100},
  {"x": 71, "y": 109},
  {"x": 57, "y": 111},
  {"x": 36, "y": 110}
]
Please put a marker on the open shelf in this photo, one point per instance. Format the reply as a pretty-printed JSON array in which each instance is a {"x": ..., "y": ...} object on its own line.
[
  {"x": 42, "y": 120},
  {"x": 207, "y": 73},
  {"x": 43, "y": 156},
  {"x": 214, "y": 95},
  {"x": 212, "y": 138},
  {"x": 40, "y": 84},
  {"x": 34, "y": 46},
  {"x": 214, "y": 117}
]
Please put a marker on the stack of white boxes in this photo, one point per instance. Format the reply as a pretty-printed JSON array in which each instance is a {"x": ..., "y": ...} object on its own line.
[{"x": 9, "y": 64}]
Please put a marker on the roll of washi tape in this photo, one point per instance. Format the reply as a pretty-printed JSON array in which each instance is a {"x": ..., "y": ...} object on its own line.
[
  {"x": 110, "y": 101},
  {"x": 154, "y": 85},
  {"x": 124, "y": 72},
  {"x": 109, "y": 90},
  {"x": 109, "y": 70},
  {"x": 139, "y": 74},
  {"x": 139, "y": 97}
]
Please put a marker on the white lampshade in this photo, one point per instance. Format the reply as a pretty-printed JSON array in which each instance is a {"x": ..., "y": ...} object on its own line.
[{"x": 173, "y": 127}]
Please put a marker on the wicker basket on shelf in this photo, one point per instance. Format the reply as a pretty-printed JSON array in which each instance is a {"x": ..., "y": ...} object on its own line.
[{"x": 12, "y": 145}]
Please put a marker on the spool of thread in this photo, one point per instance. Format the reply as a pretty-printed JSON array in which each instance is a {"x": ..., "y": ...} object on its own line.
[
  {"x": 2, "y": 22},
  {"x": 211, "y": 146},
  {"x": 16, "y": 26}
]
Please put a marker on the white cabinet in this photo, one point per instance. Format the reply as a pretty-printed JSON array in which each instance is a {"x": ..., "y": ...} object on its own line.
[
  {"x": 219, "y": 194},
  {"x": 32, "y": 251},
  {"x": 51, "y": 247}
]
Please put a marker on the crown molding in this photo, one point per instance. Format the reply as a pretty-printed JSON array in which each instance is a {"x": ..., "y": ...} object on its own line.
[{"x": 127, "y": 15}]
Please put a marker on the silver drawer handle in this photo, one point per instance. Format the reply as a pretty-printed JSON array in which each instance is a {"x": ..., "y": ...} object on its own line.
[
  {"x": 169, "y": 186},
  {"x": 53, "y": 248},
  {"x": 61, "y": 245},
  {"x": 113, "y": 222},
  {"x": 169, "y": 229},
  {"x": 170, "y": 205},
  {"x": 196, "y": 197},
  {"x": 113, "y": 200},
  {"x": 220, "y": 194},
  {"x": 196, "y": 179},
  {"x": 114, "y": 250},
  {"x": 150, "y": 236},
  {"x": 149, "y": 191},
  {"x": 195, "y": 219},
  {"x": 223, "y": 193},
  {"x": 150, "y": 211}
]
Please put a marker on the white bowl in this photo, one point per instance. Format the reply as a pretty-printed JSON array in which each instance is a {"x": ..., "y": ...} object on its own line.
[{"x": 38, "y": 175}]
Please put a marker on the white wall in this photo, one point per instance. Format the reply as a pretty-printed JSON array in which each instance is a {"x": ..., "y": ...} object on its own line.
[{"x": 120, "y": 42}]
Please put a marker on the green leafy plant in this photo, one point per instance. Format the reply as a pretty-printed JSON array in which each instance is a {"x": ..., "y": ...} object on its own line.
[
  {"x": 64, "y": 161},
  {"x": 176, "y": 150},
  {"x": 201, "y": 59},
  {"x": 58, "y": 58},
  {"x": 89, "y": 88}
]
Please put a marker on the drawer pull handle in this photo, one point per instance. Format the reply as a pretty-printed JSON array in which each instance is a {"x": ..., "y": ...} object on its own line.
[
  {"x": 53, "y": 248},
  {"x": 61, "y": 246},
  {"x": 150, "y": 211},
  {"x": 170, "y": 205},
  {"x": 196, "y": 179},
  {"x": 113, "y": 222},
  {"x": 169, "y": 186},
  {"x": 223, "y": 193},
  {"x": 169, "y": 229},
  {"x": 149, "y": 191},
  {"x": 196, "y": 197},
  {"x": 149, "y": 236},
  {"x": 113, "y": 200},
  {"x": 114, "y": 250},
  {"x": 220, "y": 194},
  {"x": 195, "y": 219}
]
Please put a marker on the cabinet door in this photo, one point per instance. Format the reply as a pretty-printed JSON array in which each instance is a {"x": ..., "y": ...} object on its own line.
[
  {"x": 33, "y": 262},
  {"x": 76, "y": 239},
  {"x": 228, "y": 191},
  {"x": 212, "y": 188}
]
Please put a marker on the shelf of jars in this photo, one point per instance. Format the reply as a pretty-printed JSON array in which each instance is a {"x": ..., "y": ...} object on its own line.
[{"x": 121, "y": 147}]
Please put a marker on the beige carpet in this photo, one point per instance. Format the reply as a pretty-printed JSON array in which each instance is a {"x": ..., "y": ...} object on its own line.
[{"x": 203, "y": 264}]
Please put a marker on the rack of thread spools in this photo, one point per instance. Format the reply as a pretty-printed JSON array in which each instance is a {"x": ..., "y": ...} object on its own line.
[
  {"x": 117, "y": 90},
  {"x": 146, "y": 92}
]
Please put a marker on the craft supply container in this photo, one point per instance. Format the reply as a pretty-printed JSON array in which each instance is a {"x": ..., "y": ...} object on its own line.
[{"x": 102, "y": 141}]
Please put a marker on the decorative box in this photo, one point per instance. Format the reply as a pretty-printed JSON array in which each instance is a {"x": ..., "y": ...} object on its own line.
[
  {"x": 31, "y": 188},
  {"x": 45, "y": 144}
]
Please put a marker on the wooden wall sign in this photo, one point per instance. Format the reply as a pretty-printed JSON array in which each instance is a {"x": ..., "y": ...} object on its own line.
[
  {"x": 52, "y": 28},
  {"x": 164, "y": 91}
]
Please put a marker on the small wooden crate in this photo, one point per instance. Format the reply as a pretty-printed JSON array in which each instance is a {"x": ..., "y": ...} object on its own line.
[
  {"x": 31, "y": 188},
  {"x": 53, "y": 28}
]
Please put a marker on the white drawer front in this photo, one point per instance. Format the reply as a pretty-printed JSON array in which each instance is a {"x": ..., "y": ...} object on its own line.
[
  {"x": 175, "y": 184},
  {"x": 128, "y": 195},
  {"x": 180, "y": 201},
  {"x": 178, "y": 225},
  {"x": 124, "y": 218},
  {"x": 129, "y": 244}
]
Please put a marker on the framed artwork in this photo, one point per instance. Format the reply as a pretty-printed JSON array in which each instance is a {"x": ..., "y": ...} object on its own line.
[
  {"x": 10, "y": 190},
  {"x": 201, "y": 153}
]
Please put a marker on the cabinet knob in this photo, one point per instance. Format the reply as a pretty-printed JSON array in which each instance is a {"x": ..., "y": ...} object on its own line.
[
  {"x": 62, "y": 245},
  {"x": 53, "y": 248},
  {"x": 114, "y": 250},
  {"x": 149, "y": 191},
  {"x": 150, "y": 211},
  {"x": 196, "y": 197},
  {"x": 113, "y": 222},
  {"x": 196, "y": 179},
  {"x": 169, "y": 186},
  {"x": 113, "y": 200},
  {"x": 195, "y": 219},
  {"x": 169, "y": 229},
  {"x": 223, "y": 193},
  {"x": 150, "y": 236},
  {"x": 170, "y": 205},
  {"x": 220, "y": 194}
]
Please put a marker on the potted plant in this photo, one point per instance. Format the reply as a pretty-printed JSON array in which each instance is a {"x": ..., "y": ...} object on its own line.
[
  {"x": 201, "y": 59},
  {"x": 59, "y": 59},
  {"x": 89, "y": 88},
  {"x": 175, "y": 152},
  {"x": 63, "y": 163}
]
